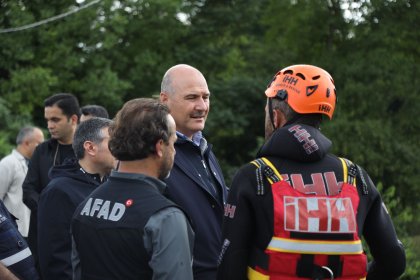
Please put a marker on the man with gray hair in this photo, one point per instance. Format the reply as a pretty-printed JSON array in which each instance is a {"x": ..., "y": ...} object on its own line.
[
  {"x": 13, "y": 169},
  {"x": 196, "y": 181},
  {"x": 70, "y": 184}
]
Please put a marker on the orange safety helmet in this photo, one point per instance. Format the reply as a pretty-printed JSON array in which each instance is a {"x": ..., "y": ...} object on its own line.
[{"x": 307, "y": 89}]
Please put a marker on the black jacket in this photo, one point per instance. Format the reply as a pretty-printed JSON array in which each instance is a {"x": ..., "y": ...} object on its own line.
[
  {"x": 300, "y": 154},
  {"x": 110, "y": 232},
  {"x": 37, "y": 179},
  {"x": 189, "y": 188},
  {"x": 42, "y": 160},
  {"x": 68, "y": 188}
]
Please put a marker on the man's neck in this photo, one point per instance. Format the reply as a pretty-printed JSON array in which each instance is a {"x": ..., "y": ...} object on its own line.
[
  {"x": 187, "y": 136},
  {"x": 89, "y": 167},
  {"x": 65, "y": 141},
  {"x": 145, "y": 166},
  {"x": 21, "y": 150}
]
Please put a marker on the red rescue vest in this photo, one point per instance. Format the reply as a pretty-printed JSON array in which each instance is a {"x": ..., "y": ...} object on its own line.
[{"x": 315, "y": 237}]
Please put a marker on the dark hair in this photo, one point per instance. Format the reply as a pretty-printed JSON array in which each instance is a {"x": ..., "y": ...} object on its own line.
[
  {"x": 89, "y": 130},
  {"x": 24, "y": 133},
  {"x": 95, "y": 111},
  {"x": 67, "y": 102},
  {"x": 292, "y": 116},
  {"x": 137, "y": 127}
]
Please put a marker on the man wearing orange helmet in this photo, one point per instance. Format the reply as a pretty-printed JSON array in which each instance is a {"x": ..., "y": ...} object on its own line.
[{"x": 298, "y": 212}]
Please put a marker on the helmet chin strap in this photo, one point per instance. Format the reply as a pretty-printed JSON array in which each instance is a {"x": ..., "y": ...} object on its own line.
[{"x": 280, "y": 95}]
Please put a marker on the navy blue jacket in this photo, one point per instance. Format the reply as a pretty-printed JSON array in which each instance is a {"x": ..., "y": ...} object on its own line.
[
  {"x": 187, "y": 187},
  {"x": 14, "y": 251},
  {"x": 69, "y": 186}
]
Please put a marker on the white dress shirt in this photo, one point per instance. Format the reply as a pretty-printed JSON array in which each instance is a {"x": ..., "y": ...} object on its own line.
[{"x": 13, "y": 169}]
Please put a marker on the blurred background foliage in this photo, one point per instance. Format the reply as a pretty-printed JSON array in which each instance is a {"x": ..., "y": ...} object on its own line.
[{"x": 114, "y": 51}]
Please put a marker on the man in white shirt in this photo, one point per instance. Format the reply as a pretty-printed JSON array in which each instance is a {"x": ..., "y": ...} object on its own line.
[{"x": 13, "y": 169}]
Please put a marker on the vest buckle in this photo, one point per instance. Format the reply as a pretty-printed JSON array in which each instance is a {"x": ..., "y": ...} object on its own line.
[{"x": 329, "y": 271}]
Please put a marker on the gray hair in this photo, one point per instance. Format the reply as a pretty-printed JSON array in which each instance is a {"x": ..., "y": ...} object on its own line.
[
  {"x": 89, "y": 130},
  {"x": 166, "y": 85},
  {"x": 291, "y": 115},
  {"x": 24, "y": 133},
  {"x": 288, "y": 112}
]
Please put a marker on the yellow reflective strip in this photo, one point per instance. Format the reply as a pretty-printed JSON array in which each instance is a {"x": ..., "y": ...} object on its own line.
[
  {"x": 344, "y": 170},
  {"x": 315, "y": 247},
  {"x": 255, "y": 275},
  {"x": 255, "y": 163},
  {"x": 272, "y": 167}
]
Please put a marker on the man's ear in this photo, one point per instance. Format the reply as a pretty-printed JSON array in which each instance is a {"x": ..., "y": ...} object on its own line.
[
  {"x": 279, "y": 118},
  {"x": 159, "y": 148},
  {"x": 89, "y": 148},
  {"x": 74, "y": 119},
  {"x": 26, "y": 142},
  {"x": 163, "y": 97}
]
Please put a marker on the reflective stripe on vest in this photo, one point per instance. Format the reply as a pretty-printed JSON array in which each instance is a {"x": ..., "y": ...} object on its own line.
[
  {"x": 268, "y": 163},
  {"x": 315, "y": 247},
  {"x": 15, "y": 258},
  {"x": 256, "y": 275}
]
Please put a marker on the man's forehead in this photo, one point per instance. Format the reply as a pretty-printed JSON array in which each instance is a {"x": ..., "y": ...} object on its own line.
[
  {"x": 53, "y": 108},
  {"x": 192, "y": 88},
  {"x": 189, "y": 79},
  {"x": 53, "y": 111},
  {"x": 197, "y": 91}
]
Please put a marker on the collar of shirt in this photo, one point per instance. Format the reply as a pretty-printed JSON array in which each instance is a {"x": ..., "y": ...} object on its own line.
[
  {"x": 196, "y": 139},
  {"x": 160, "y": 185},
  {"x": 20, "y": 157},
  {"x": 96, "y": 177},
  {"x": 17, "y": 154}
]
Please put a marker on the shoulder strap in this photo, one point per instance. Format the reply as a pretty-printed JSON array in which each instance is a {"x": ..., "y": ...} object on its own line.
[
  {"x": 264, "y": 166},
  {"x": 351, "y": 171}
]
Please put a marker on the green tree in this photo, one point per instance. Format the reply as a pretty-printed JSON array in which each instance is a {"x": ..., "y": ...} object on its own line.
[
  {"x": 117, "y": 50},
  {"x": 378, "y": 95}
]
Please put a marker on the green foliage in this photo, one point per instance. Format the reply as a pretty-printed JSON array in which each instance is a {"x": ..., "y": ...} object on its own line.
[
  {"x": 10, "y": 125},
  {"x": 117, "y": 50},
  {"x": 237, "y": 104},
  {"x": 26, "y": 86},
  {"x": 304, "y": 32},
  {"x": 403, "y": 218},
  {"x": 378, "y": 95}
]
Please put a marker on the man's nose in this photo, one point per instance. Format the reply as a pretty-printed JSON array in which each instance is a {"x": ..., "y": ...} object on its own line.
[{"x": 201, "y": 104}]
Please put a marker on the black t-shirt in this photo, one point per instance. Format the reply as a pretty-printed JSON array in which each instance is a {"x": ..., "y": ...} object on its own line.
[{"x": 61, "y": 153}]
